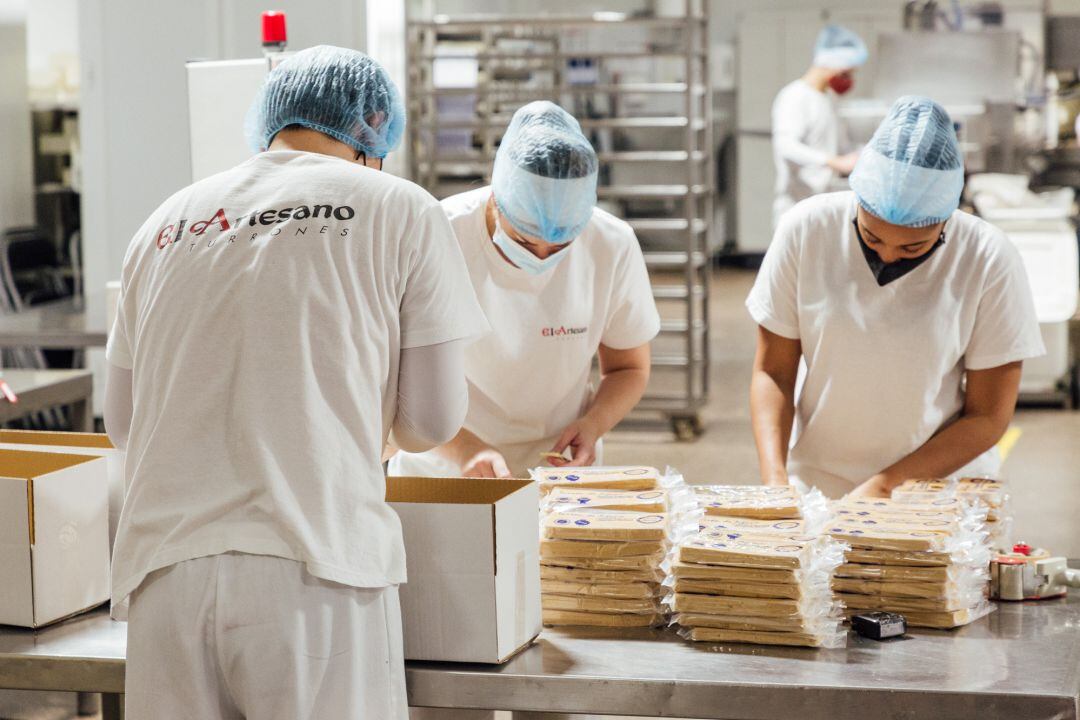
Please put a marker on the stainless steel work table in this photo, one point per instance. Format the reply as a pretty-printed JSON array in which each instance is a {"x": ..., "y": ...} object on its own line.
[
  {"x": 63, "y": 324},
  {"x": 1023, "y": 661},
  {"x": 40, "y": 390}
]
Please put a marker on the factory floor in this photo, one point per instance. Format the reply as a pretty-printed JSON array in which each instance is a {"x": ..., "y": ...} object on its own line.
[{"x": 1042, "y": 467}]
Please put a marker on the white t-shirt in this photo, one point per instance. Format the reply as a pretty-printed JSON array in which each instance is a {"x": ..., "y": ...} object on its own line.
[
  {"x": 263, "y": 311},
  {"x": 885, "y": 365},
  {"x": 806, "y": 132},
  {"x": 529, "y": 377}
]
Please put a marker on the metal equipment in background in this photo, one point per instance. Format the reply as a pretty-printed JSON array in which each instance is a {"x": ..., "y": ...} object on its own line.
[{"x": 639, "y": 85}]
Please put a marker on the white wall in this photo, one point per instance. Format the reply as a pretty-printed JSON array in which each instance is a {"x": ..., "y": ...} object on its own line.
[
  {"x": 134, "y": 127},
  {"x": 16, "y": 160},
  {"x": 134, "y": 100},
  {"x": 52, "y": 42}
]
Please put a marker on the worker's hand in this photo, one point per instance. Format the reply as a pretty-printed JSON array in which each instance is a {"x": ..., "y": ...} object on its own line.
[
  {"x": 485, "y": 463},
  {"x": 580, "y": 437},
  {"x": 388, "y": 452},
  {"x": 875, "y": 487},
  {"x": 843, "y": 164}
]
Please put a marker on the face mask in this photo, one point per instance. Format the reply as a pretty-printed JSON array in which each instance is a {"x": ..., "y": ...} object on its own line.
[
  {"x": 840, "y": 84},
  {"x": 521, "y": 257},
  {"x": 884, "y": 272}
]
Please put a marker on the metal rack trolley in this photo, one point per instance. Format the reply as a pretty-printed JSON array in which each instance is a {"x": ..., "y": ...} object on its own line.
[{"x": 672, "y": 219}]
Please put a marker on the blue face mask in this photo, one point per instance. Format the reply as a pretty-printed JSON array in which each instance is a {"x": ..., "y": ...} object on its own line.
[{"x": 521, "y": 257}]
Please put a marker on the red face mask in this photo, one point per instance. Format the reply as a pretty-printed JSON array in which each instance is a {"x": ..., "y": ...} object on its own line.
[{"x": 840, "y": 84}]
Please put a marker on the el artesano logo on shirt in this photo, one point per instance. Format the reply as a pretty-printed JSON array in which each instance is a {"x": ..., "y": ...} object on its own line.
[
  {"x": 564, "y": 331},
  {"x": 252, "y": 225}
]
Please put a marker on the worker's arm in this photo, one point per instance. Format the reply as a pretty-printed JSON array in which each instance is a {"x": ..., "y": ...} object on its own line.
[
  {"x": 772, "y": 402},
  {"x": 624, "y": 375},
  {"x": 118, "y": 405},
  {"x": 432, "y": 396},
  {"x": 474, "y": 456},
  {"x": 989, "y": 402},
  {"x": 787, "y": 140}
]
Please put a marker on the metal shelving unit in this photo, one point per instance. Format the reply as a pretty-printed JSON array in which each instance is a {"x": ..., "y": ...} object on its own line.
[{"x": 653, "y": 137}]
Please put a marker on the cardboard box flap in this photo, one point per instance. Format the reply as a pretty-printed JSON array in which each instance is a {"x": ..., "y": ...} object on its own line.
[
  {"x": 26, "y": 465},
  {"x": 68, "y": 439},
  {"x": 450, "y": 491}
]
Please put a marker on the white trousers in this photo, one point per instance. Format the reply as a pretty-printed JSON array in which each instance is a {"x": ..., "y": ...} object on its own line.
[{"x": 239, "y": 636}]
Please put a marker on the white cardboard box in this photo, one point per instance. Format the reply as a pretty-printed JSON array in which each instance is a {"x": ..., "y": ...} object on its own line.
[
  {"x": 92, "y": 444},
  {"x": 472, "y": 550},
  {"x": 54, "y": 536}
]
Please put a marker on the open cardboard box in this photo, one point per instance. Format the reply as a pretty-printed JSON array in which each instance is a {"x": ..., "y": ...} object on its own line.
[
  {"x": 54, "y": 536},
  {"x": 472, "y": 551},
  {"x": 92, "y": 444}
]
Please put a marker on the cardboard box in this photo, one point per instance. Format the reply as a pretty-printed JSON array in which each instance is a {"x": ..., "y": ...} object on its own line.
[
  {"x": 472, "y": 551},
  {"x": 92, "y": 444},
  {"x": 54, "y": 536}
]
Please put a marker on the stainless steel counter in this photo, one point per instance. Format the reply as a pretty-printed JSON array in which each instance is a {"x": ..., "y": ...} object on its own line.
[
  {"x": 62, "y": 324},
  {"x": 1023, "y": 661}
]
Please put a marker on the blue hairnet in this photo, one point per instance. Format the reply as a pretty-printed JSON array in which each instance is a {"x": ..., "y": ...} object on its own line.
[
  {"x": 912, "y": 172},
  {"x": 838, "y": 48},
  {"x": 544, "y": 180},
  {"x": 342, "y": 93}
]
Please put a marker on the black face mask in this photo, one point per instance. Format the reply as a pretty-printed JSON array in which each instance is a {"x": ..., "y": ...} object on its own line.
[{"x": 884, "y": 272}]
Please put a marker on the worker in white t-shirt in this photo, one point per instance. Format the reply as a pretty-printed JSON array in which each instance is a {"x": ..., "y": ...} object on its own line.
[
  {"x": 278, "y": 321},
  {"x": 912, "y": 318},
  {"x": 810, "y": 144},
  {"x": 561, "y": 282}
]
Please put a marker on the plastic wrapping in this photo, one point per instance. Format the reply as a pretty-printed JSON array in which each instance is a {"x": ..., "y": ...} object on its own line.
[
  {"x": 605, "y": 525},
  {"x": 716, "y": 525},
  {"x": 638, "y": 478},
  {"x": 966, "y": 594},
  {"x": 640, "y": 562},
  {"x": 648, "y": 501},
  {"x": 753, "y": 501},
  {"x": 738, "y": 606},
  {"x": 693, "y": 571},
  {"x": 938, "y": 620},
  {"x": 581, "y": 575},
  {"x": 905, "y": 605},
  {"x": 586, "y": 549},
  {"x": 587, "y": 603},
  {"x": 790, "y": 591},
  {"x": 759, "y": 551},
  {"x": 738, "y": 622},
  {"x": 837, "y": 639},
  {"x": 898, "y": 573},
  {"x": 571, "y": 618},
  {"x": 794, "y": 605},
  {"x": 623, "y": 590},
  {"x": 893, "y": 557},
  {"x": 990, "y": 493}
]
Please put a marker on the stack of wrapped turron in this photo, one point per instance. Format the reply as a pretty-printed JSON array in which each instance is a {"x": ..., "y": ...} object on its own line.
[
  {"x": 757, "y": 571},
  {"x": 605, "y": 533},
  {"x": 928, "y": 562},
  {"x": 990, "y": 493}
]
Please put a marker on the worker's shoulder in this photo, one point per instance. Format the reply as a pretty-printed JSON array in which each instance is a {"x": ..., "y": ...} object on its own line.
[
  {"x": 977, "y": 240},
  {"x": 611, "y": 230},
  {"x": 825, "y": 211},
  {"x": 466, "y": 203}
]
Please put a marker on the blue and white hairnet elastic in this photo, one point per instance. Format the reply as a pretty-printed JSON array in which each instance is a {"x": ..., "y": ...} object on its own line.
[
  {"x": 912, "y": 171},
  {"x": 342, "y": 93},
  {"x": 838, "y": 48},
  {"x": 544, "y": 179}
]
